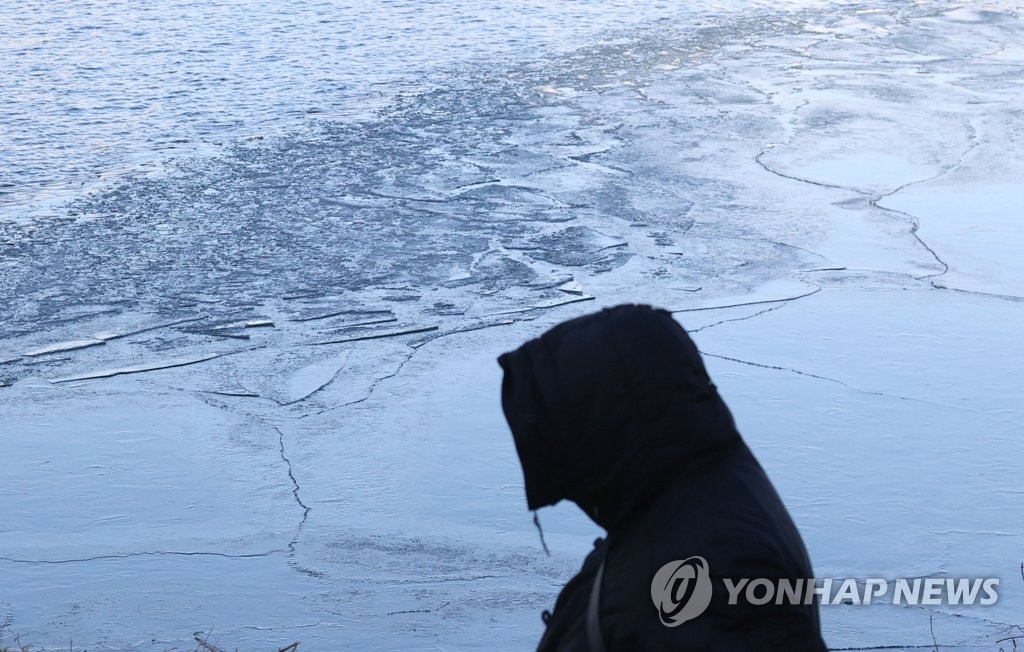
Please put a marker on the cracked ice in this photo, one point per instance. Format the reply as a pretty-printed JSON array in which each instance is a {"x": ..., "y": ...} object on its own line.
[{"x": 829, "y": 198}]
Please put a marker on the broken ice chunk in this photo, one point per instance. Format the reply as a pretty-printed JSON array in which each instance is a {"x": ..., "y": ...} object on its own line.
[
  {"x": 340, "y": 313},
  {"x": 574, "y": 246},
  {"x": 62, "y": 347},
  {"x": 542, "y": 306},
  {"x": 166, "y": 364},
  {"x": 375, "y": 336},
  {"x": 572, "y": 287},
  {"x": 114, "y": 335}
]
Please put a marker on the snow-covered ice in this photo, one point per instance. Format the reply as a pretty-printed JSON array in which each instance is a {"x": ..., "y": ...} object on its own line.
[{"x": 255, "y": 395}]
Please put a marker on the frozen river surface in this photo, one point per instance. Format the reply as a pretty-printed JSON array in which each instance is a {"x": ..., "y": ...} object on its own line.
[{"x": 248, "y": 388}]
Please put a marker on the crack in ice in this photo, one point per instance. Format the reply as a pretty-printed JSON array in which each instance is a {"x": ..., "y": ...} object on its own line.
[
  {"x": 793, "y": 370},
  {"x": 749, "y": 303},
  {"x": 150, "y": 553}
]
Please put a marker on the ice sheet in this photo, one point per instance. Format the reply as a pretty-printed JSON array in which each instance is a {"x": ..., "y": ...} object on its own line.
[{"x": 828, "y": 196}]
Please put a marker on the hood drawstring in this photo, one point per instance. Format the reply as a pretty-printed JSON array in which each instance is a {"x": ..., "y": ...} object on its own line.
[{"x": 540, "y": 531}]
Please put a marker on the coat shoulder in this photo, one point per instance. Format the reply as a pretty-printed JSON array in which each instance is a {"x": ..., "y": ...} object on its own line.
[{"x": 729, "y": 523}]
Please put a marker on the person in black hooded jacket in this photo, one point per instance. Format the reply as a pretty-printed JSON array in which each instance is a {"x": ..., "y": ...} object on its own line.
[{"x": 616, "y": 412}]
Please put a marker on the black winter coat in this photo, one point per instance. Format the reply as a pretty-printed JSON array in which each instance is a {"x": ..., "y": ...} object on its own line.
[{"x": 615, "y": 411}]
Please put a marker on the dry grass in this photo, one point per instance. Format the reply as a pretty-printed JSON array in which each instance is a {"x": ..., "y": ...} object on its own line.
[
  {"x": 18, "y": 646},
  {"x": 203, "y": 644},
  {"x": 206, "y": 646}
]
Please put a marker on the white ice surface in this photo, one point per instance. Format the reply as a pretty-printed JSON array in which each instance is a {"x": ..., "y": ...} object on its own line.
[{"x": 829, "y": 199}]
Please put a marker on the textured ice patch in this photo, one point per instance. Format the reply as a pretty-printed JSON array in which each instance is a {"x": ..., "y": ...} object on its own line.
[
  {"x": 977, "y": 230},
  {"x": 122, "y": 471}
]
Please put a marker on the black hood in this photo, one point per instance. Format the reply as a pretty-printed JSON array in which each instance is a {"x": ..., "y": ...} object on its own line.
[{"x": 607, "y": 408}]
